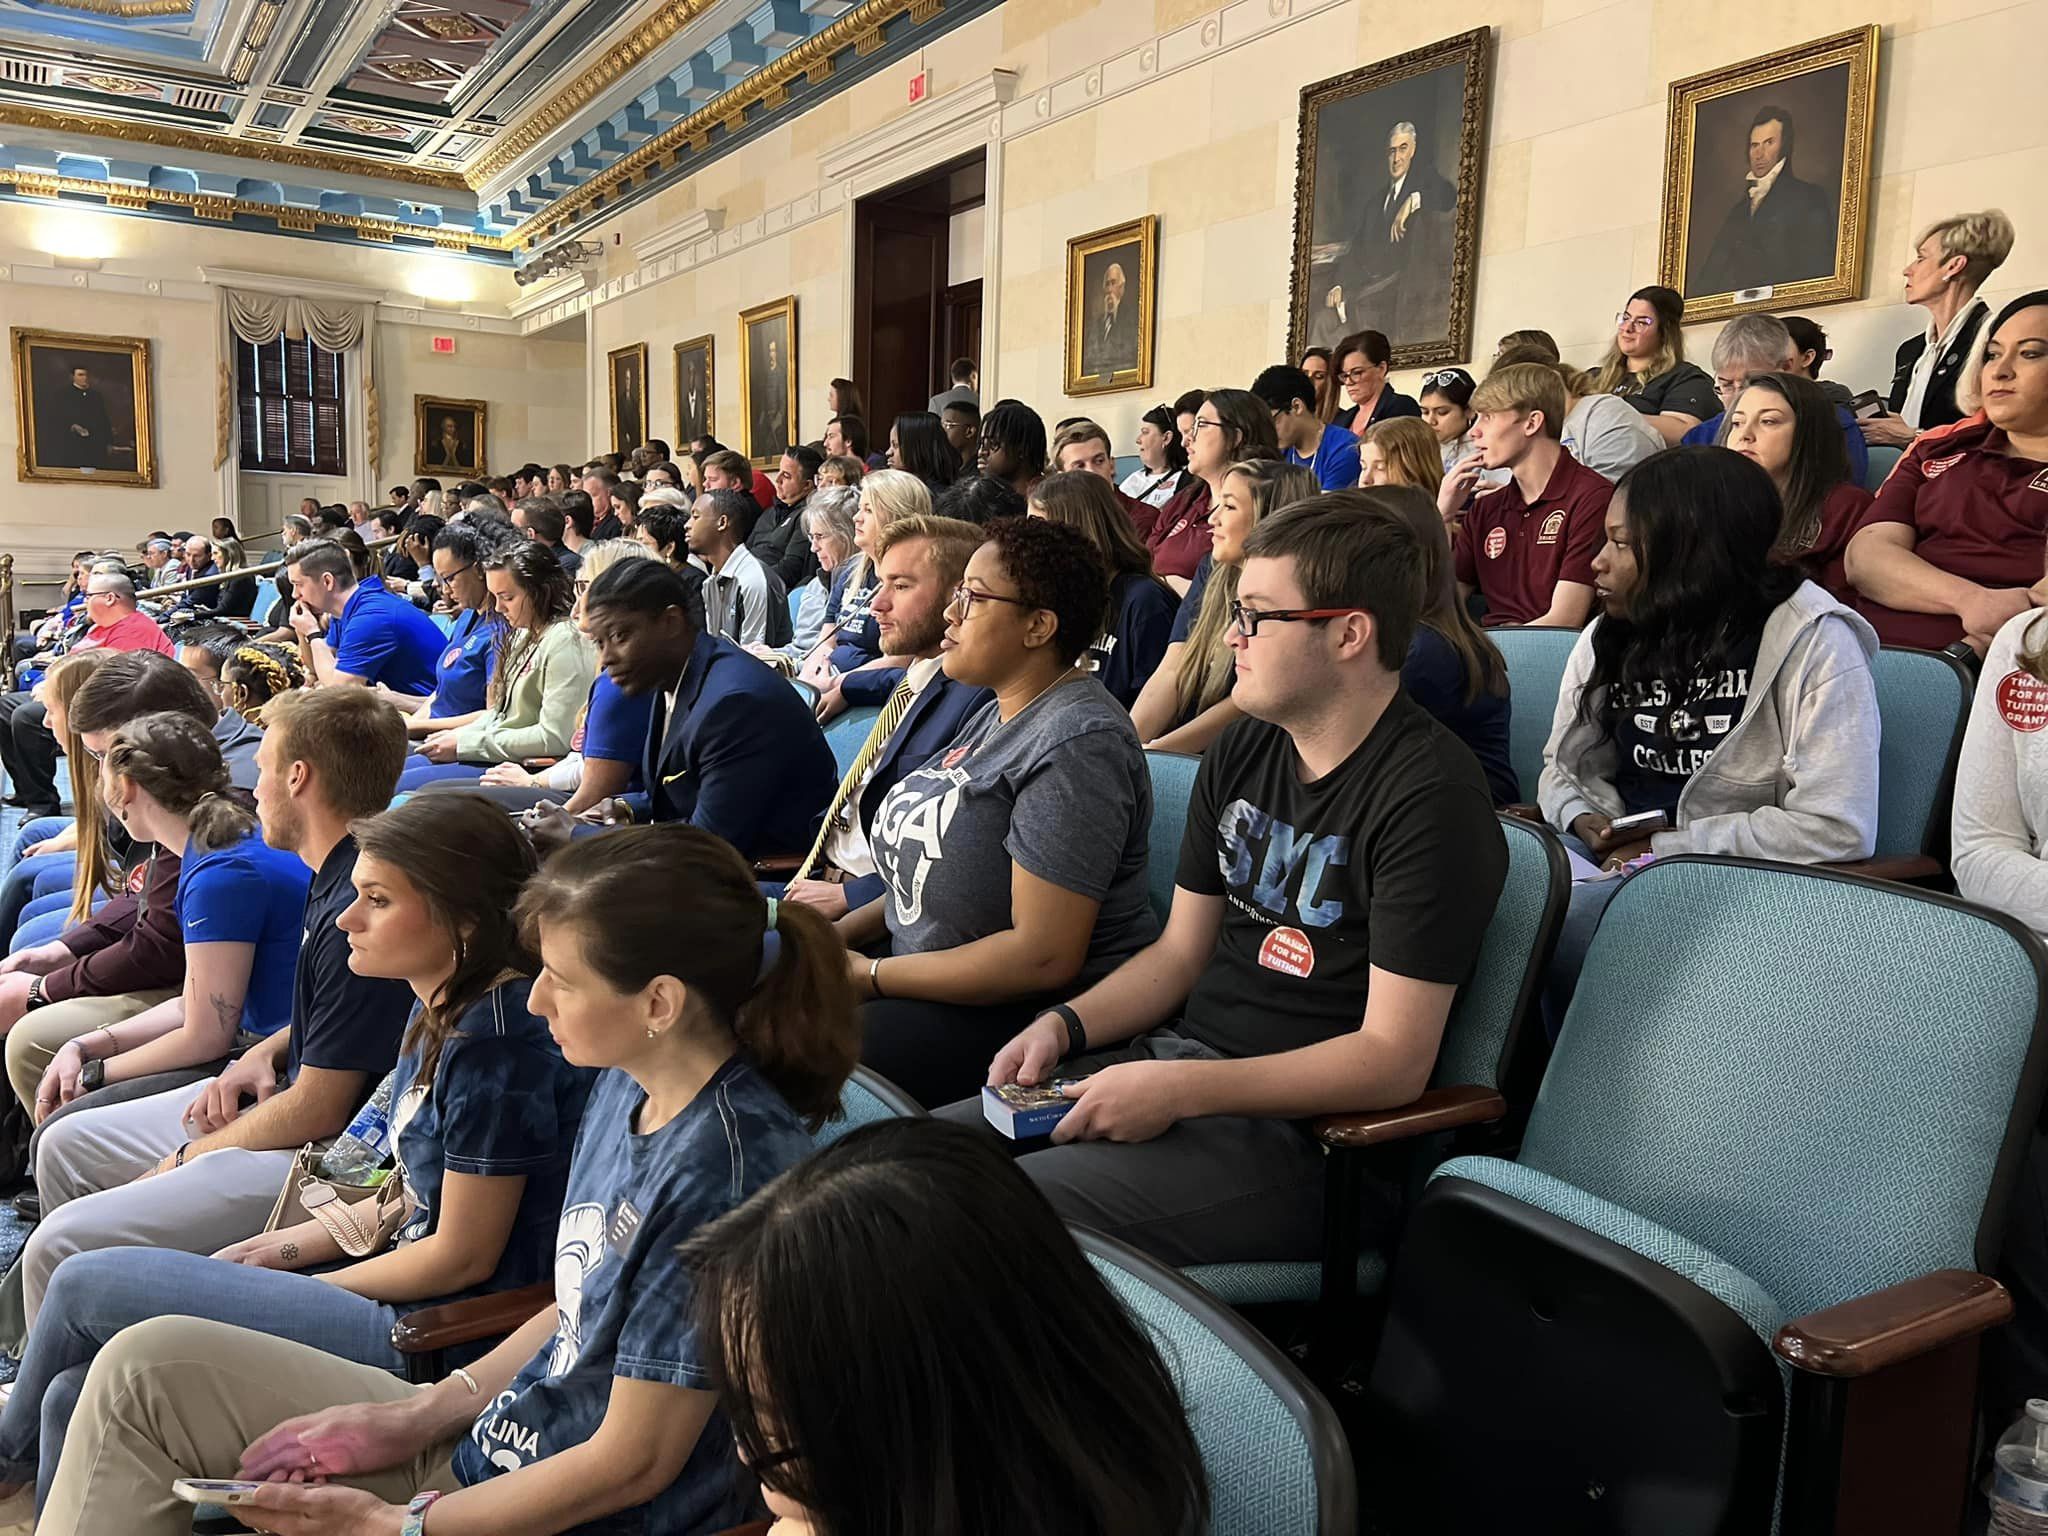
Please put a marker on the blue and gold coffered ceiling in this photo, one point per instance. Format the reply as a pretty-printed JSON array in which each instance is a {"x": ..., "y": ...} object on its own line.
[{"x": 487, "y": 127}]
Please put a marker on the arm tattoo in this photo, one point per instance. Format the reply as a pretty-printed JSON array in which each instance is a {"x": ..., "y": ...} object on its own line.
[{"x": 228, "y": 1012}]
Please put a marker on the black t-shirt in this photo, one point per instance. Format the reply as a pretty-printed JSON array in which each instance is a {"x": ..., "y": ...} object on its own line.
[
  {"x": 341, "y": 1022},
  {"x": 1394, "y": 859},
  {"x": 1684, "y": 387},
  {"x": 1662, "y": 735}
]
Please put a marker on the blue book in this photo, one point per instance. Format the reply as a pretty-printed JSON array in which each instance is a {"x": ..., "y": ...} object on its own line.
[{"x": 1021, "y": 1113}]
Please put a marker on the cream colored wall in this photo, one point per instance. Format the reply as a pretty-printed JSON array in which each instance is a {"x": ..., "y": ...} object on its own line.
[{"x": 1573, "y": 181}]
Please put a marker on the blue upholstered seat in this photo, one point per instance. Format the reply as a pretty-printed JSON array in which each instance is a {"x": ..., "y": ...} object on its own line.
[
  {"x": 845, "y": 733},
  {"x": 1536, "y": 659},
  {"x": 1173, "y": 781},
  {"x": 1923, "y": 703},
  {"x": 867, "y": 1097}
]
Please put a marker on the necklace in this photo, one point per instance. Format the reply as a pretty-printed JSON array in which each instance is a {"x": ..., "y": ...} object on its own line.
[{"x": 1066, "y": 676}]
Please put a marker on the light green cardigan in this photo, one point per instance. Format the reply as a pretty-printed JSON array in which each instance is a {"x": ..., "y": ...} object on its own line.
[{"x": 537, "y": 717}]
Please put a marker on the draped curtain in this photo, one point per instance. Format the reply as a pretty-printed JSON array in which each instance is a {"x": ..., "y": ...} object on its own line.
[{"x": 335, "y": 325}]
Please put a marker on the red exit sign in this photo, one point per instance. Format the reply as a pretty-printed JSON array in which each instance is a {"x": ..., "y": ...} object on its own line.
[
  {"x": 920, "y": 86},
  {"x": 444, "y": 343}
]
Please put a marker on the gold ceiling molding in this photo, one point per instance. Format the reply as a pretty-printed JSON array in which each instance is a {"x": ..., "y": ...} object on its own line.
[
  {"x": 212, "y": 206},
  {"x": 126, "y": 7},
  {"x": 592, "y": 80},
  {"x": 163, "y": 137},
  {"x": 861, "y": 25}
]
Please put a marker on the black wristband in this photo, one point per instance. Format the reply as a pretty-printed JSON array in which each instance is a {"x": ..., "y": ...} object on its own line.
[{"x": 1077, "y": 1032}]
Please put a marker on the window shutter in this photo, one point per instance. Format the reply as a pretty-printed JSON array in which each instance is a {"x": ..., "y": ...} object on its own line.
[{"x": 292, "y": 407}]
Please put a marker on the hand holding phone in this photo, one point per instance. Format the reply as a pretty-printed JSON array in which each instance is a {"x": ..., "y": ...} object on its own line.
[
  {"x": 1642, "y": 821},
  {"x": 214, "y": 1490}
]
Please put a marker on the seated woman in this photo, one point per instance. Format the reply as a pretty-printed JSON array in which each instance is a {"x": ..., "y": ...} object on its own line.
[
  {"x": 2001, "y": 812},
  {"x": 1446, "y": 399},
  {"x": 1453, "y": 669},
  {"x": 462, "y": 674},
  {"x": 48, "y": 848},
  {"x": 1185, "y": 703},
  {"x": 1646, "y": 365},
  {"x": 658, "y": 527},
  {"x": 1952, "y": 544},
  {"x": 1048, "y": 779},
  {"x": 725, "y": 1028},
  {"x": 850, "y": 637},
  {"x": 1786, "y": 424},
  {"x": 1402, "y": 450},
  {"x": 1718, "y": 691},
  {"x": 918, "y": 446},
  {"x": 611, "y": 733},
  {"x": 841, "y": 470},
  {"x": 544, "y": 672},
  {"x": 936, "y": 1211},
  {"x": 1141, "y": 606},
  {"x": 1162, "y": 461},
  {"x": 484, "y": 1115},
  {"x": 257, "y": 673},
  {"x": 1229, "y": 425},
  {"x": 828, "y": 528},
  {"x": 237, "y": 598}
]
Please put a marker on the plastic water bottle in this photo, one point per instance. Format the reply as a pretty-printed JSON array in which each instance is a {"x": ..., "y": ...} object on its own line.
[
  {"x": 362, "y": 1153},
  {"x": 2019, "y": 1486}
]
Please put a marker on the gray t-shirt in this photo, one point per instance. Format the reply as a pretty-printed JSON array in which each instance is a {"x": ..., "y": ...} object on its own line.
[{"x": 1061, "y": 788}]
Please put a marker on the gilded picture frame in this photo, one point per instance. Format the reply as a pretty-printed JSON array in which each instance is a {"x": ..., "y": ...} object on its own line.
[
  {"x": 1798, "y": 124},
  {"x": 1112, "y": 307},
  {"x": 626, "y": 381},
  {"x": 100, "y": 432},
  {"x": 1387, "y": 178},
  {"x": 768, "y": 371},
  {"x": 449, "y": 436},
  {"x": 696, "y": 374}
]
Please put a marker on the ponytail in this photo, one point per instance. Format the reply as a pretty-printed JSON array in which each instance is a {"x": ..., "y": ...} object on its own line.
[
  {"x": 797, "y": 1023},
  {"x": 178, "y": 762}
]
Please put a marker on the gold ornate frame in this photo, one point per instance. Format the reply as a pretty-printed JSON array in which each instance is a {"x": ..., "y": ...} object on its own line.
[
  {"x": 1858, "y": 49},
  {"x": 1471, "y": 49},
  {"x": 611, "y": 386},
  {"x": 710, "y": 347},
  {"x": 422, "y": 406},
  {"x": 136, "y": 350},
  {"x": 749, "y": 318},
  {"x": 1144, "y": 233}
]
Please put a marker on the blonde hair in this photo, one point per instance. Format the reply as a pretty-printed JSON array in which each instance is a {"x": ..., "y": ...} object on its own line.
[
  {"x": 1083, "y": 431},
  {"x": 1983, "y": 240},
  {"x": 889, "y": 494},
  {"x": 1206, "y": 664},
  {"x": 1524, "y": 387},
  {"x": 606, "y": 553},
  {"x": 1413, "y": 455},
  {"x": 94, "y": 871}
]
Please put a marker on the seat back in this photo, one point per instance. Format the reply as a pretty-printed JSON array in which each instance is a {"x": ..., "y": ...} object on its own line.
[
  {"x": 1485, "y": 1040},
  {"x": 1825, "y": 1081},
  {"x": 846, "y": 733},
  {"x": 1923, "y": 703},
  {"x": 1275, "y": 1452},
  {"x": 1882, "y": 461},
  {"x": 1536, "y": 659},
  {"x": 866, "y": 1098},
  {"x": 1173, "y": 782}
]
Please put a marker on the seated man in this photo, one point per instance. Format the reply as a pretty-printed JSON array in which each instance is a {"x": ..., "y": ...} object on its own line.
[
  {"x": 741, "y": 596},
  {"x": 196, "y": 1169},
  {"x": 1528, "y": 547},
  {"x": 1330, "y": 451},
  {"x": 1752, "y": 345},
  {"x": 921, "y": 560},
  {"x": 1340, "y": 864},
  {"x": 731, "y": 747},
  {"x": 778, "y": 539},
  {"x": 354, "y": 631}
]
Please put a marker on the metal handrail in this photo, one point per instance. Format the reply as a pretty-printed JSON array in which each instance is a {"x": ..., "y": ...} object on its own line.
[{"x": 150, "y": 594}]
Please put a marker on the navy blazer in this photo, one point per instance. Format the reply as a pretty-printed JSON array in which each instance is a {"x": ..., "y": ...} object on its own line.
[
  {"x": 928, "y": 728},
  {"x": 743, "y": 757}
]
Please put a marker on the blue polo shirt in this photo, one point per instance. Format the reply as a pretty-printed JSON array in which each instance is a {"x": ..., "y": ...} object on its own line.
[
  {"x": 381, "y": 638},
  {"x": 248, "y": 893},
  {"x": 615, "y": 725},
  {"x": 1335, "y": 461},
  {"x": 462, "y": 675}
]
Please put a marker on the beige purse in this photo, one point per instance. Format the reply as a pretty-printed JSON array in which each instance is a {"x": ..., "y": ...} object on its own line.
[{"x": 346, "y": 1211}]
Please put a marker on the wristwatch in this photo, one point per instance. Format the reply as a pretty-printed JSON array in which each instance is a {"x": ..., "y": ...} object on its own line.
[
  {"x": 36, "y": 999},
  {"x": 92, "y": 1077}
]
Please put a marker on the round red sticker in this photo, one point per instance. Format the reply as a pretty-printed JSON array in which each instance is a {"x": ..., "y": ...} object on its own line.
[
  {"x": 2023, "y": 701},
  {"x": 1287, "y": 950},
  {"x": 1496, "y": 543}
]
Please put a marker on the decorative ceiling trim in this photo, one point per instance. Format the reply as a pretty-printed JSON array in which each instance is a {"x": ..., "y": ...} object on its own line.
[
  {"x": 125, "y": 8},
  {"x": 593, "y": 80},
  {"x": 129, "y": 132}
]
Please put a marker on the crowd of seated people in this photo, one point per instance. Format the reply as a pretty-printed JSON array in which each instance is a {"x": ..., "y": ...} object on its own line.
[{"x": 533, "y": 862}]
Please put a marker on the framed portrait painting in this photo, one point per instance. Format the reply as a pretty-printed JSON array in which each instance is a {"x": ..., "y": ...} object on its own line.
[
  {"x": 1386, "y": 202},
  {"x": 768, "y": 378},
  {"x": 84, "y": 406},
  {"x": 450, "y": 435},
  {"x": 1112, "y": 297},
  {"x": 628, "y": 374},
  {"x": 696, "y": 415},
  {"x": 1766, "y": 179}
]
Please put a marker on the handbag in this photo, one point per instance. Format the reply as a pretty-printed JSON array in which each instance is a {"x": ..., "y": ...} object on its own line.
[{"x": 342, "y": 1208}]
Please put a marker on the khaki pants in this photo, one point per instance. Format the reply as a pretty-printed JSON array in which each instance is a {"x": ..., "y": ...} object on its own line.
[
  {"x": 174, "y": 1397},
  {"x": 33, "y": 1043}
]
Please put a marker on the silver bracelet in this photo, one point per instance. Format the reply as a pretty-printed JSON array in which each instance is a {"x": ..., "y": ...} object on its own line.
[{"x": 468, "y": 1381}]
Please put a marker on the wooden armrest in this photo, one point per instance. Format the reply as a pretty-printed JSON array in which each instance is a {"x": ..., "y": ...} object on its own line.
[
  {"x": 1871, "y": 1332},
  {"x": 1902, "y": 867},
  {"x": 465, "y": 1322},
  {"x": 1440, "y": 1109},
  {"x": 778, "y": 864},
  {"x": 1524, "y": 813}
]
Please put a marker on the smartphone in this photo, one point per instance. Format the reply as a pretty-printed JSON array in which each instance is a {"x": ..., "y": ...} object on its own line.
[
  {"x": 1867, "y": 406},
  {"x": 214, "y": 1490},
  {"x": 1642, "y": 821}
]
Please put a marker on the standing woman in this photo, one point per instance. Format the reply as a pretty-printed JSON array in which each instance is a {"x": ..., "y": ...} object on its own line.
[
  {"x": 918, "y": 446},
  {"x": 462, "y": 672},
  {"x": 1141, "y": 606},
  {"x": 1315, "y": 362},
  {"x": 1162, "y": 460},
  {"x": 542, "y": 676},
  {"x": 484, "y": 1111},
  {"x": 1229, "y": 425},
  {"x": 1784, "y": 423},
  {"x": 1951, "y": 261},
  {"x": 842, "y": 398},
  {"x": 1447, "y": 411},
  {"x": 1402, "y": 450},
  {"x": 1646, "y": 365},
  {"x": 1012, "y": 445}
]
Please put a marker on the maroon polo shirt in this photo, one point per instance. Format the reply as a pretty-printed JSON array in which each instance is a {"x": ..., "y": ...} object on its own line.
[
  {"x": 1976, "y": 512},
  {"x": 1841, "y": 514},
  {"x": 1516, "y": 552},
  {"x": 1180, "y": 534}
]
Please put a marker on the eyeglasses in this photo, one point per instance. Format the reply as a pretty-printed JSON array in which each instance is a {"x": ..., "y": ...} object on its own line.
[
  {"x": 1201, "y": 422},
  {"x": 97, "y": 754},
  {"x": 1246, "y": 621},
  {"x": 1356, "y": 375},
  {"x": 1628, "y": 322},
  {"x": 1727, "y": 389},
  {"x": 965, "y": 597}
]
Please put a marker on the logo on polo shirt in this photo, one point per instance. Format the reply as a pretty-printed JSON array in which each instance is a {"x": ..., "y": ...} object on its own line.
[
  {"x": 1934, "y": 469},
  {"x": 1496, "y": 543},
  {"x": 1553, "y": 528},
  {"x": 2039, "y": 482},
  {"x": 2023, "y": 701},
  {"x": 450, "y": 656}
]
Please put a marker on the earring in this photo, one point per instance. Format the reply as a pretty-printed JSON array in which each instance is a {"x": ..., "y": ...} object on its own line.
[{"x": 653, "y": 1033}]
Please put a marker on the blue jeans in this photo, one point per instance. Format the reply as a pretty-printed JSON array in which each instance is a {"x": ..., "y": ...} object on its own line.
[
  {"x": 419, "y": 773},
  {"x": 35, "y": 830},
  {"x": 44, "y": 919},
  {"x": 94, "y": 1295},
  {"x": 33, "y": 877}
]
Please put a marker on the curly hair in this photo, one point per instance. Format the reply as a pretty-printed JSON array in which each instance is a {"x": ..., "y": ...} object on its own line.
[
  {"x": 256, "y": 674},
  {"x": 1056, "y": 568}
]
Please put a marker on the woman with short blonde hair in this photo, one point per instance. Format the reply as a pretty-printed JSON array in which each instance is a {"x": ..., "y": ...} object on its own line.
[{"x": 1952, "y": 257}]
